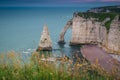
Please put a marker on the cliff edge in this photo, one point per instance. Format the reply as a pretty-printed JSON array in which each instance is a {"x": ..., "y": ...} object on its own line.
[{"x": 102, "y": 28}]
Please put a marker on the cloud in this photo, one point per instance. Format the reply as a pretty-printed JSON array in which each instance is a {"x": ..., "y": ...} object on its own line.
[{"x": 110, "y": 0}]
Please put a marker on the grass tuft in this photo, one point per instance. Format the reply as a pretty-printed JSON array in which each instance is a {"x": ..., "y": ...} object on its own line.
[{"x": 12, "y": 67}]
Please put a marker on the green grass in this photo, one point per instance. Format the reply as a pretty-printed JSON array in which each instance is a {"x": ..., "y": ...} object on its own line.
[{"x": 13, "y": 67}]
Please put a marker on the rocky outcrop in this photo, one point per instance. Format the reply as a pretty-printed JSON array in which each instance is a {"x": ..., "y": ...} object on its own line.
[
  {"x": 45, "y": 41},
  {"x": 92, "y": 31}
]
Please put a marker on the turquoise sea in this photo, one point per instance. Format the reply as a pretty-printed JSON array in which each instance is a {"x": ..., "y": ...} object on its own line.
[{"x": 21, "y": 27}]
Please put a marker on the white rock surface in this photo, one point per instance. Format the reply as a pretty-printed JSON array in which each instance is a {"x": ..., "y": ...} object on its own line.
[
  {"x": 114, "y": 36},
  {"x": 45, "y": 40}
]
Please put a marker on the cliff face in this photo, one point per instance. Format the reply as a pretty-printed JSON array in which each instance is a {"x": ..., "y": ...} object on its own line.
[
  {"x": 82, "y": 32},
  {"x": 114, "y": 36},
  {"x": 92, "y": 31},
  {"x": 87, "y": 31}
]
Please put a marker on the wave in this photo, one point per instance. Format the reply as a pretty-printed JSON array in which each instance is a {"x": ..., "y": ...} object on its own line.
[{"x": 26, "y": 52}]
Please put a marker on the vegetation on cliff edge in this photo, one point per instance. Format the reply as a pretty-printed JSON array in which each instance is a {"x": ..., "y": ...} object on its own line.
[
  {"x": 101, "y": 13},
  {"x": 100, "y": 17}
]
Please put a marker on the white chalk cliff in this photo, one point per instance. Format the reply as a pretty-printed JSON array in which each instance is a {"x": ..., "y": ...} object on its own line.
[
  {"x": 114, "y": 36},
  {"x": 91, "y": 31}
]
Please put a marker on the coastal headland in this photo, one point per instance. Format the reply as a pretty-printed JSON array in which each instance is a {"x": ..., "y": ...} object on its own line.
[{"x": 98, "y": 31}]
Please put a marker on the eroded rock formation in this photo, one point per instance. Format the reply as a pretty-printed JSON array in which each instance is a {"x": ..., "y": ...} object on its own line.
[
  {"x": 84, "y": 31},
  {"x": 92, "y": 31},
  {"x": 68, "y": 25},
  {"x": 45, "y": 41}
]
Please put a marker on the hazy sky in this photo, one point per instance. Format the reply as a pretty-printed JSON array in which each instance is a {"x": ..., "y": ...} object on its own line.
[{"x": 58, "y": 2}]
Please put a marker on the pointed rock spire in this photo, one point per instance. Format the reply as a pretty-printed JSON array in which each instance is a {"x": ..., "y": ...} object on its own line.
[{"x": 45, "y": 41}]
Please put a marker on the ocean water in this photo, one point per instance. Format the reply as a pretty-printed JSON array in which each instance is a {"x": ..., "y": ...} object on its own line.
[{"x": 21, "y": 27}]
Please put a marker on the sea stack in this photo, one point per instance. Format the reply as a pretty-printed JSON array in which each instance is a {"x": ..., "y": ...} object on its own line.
[{"x": 45, "y": 43}]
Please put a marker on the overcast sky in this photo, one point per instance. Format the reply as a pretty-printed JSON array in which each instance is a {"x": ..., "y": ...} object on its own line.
[{"x": 58, "y": 2}]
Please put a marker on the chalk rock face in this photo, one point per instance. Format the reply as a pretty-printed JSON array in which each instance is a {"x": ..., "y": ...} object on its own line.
[
  {"x": 102, "y": 35},
  {"x": 82, "y": 32},
  {"x": 87, "y": 31},
  {"x": 45, "y": 41},
  {"x": 114, "y": 36}
]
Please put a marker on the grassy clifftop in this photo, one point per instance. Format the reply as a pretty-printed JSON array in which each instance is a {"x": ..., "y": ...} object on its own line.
[{"x": 102, "y": 13}]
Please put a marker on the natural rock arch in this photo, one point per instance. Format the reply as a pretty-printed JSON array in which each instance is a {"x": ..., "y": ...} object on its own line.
[{"x": 67, "y": 26}]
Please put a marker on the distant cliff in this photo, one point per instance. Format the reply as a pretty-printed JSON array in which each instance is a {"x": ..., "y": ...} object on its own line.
[
  {"x": 95, "y": 28},
  {"x": 115, "y": 9}
]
